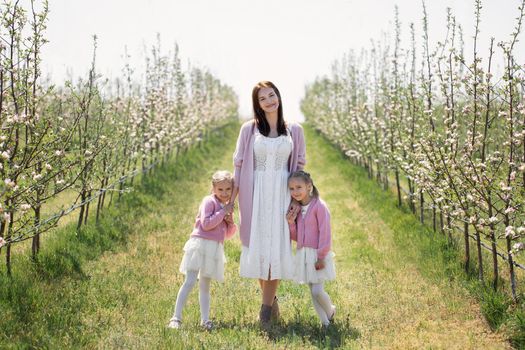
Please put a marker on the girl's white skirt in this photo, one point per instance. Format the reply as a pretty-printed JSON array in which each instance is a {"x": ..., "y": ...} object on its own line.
[
  {"x": 305, "y": 271},
  {"x": 205, "y": 256}
]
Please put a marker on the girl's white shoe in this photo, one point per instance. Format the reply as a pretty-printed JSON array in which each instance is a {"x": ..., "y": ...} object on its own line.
[
  {"x": 331, "y": 318},
  {"x": 207, "y": 325},
  {"x": 175, "y": 323}
]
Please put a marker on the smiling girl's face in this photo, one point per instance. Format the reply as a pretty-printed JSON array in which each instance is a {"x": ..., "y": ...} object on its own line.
[
  {"x": 223, "y": 191},
  {"x": 300, "y": 190}
]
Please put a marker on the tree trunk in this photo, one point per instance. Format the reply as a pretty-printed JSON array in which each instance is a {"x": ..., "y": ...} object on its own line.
[
  {"x": 398, "y": 189},
  {"x": 8, "y": 250},
  {"x": 421, "y": 208},
  {"x": 411, "y": 203},
  {"x": 434, "y": 217},
  {"x": 99, "y": 203},
  {"x": 511, "y": 270},
  {"x": 467, "y": 247},
  {"x": 494, "y": 258},
  {"x": 81, "y": 213},
  {"x": 441, "y": 223},
  {"x": 480, "y": 257},
  {"x": 87, "y": 209},
  {"x": 35, "y": 246}
]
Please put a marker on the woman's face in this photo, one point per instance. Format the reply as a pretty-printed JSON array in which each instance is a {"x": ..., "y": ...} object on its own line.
[{"x": 268, "y": 100}]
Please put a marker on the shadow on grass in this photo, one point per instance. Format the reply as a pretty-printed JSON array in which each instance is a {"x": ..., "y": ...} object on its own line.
[{"x": 334, "y": 336}]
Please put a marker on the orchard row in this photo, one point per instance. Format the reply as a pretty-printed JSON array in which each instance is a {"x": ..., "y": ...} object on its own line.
[
  {"x": 90, "y": 136},
  {"x": 444, "y": 128}
]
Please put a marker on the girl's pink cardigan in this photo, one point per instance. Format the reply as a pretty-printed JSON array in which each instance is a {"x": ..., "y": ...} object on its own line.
[
  {"x": 313, "y": 230},
  {"x": 210, "y": 223},
  {"x": 244, "y": 168}
]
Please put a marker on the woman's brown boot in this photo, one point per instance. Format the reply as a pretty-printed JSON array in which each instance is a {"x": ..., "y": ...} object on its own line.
[
  {"x": 275, "y": 310},
  {"x": 265, "y": 315}
]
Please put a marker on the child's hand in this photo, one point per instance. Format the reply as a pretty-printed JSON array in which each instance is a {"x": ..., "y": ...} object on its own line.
[
  {"x": 319, "y": 264},
  {"x": 229, "y": 219},
  {"x": 291, "y": 216},
  {"x": 294, "y": 208}
]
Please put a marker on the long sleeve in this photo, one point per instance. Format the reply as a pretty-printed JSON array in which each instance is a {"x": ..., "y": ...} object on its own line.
[
  {"x": 301, "y": 151},
  {"x": 293, "y": 230},
  {"x": 209, "y": 217},
  {"x": 238, "y": 156},
  {"x": 325, "y": 234}
]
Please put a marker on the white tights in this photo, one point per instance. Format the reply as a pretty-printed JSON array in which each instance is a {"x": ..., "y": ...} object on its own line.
[
  {"x": 322, "y": 303},
  {"x": 184, "y": 292}
]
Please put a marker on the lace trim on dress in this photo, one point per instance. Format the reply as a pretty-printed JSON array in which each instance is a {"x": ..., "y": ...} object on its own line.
[
  {"x": 260, "y": 163},
  {"x": 281, "y": 159}
]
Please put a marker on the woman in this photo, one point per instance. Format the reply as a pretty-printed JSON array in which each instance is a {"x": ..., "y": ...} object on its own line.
[{"x": 268, "y": 150}]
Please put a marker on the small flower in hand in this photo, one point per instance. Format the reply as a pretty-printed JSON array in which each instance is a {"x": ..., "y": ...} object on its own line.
[
  {"x": 295, "y": 207},
  {"x": 319, "y": 264},
  {"x": 229, "y": 219},
  {"x": 291, "y": 216}
]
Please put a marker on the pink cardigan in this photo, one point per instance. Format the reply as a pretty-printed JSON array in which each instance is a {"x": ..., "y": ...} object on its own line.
[
  {"x": 210, "y": 222},
  {"x": 244, "y": 169},
  {"x": 314, "y": 230}
]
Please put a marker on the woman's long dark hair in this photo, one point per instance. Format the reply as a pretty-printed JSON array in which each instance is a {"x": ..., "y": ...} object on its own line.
[{"x": 260, "y": 117}]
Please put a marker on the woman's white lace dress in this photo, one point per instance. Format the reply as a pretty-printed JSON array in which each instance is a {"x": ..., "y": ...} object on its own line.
[{"x": 269, "y": 255}]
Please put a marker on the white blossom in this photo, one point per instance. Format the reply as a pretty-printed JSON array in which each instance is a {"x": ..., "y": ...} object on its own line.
[{"x": 509, "y": 210}]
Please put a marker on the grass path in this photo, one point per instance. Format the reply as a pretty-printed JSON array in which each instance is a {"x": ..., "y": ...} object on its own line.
[
  {"x": 397, "y": 293},
  {"x": 390, "y": 293}
]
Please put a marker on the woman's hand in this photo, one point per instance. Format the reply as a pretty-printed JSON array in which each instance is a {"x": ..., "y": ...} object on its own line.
[
  {"x": 319, "y": 264},
  {"x": 228, "y": 208},
  {"x": 235, "y": 192}
]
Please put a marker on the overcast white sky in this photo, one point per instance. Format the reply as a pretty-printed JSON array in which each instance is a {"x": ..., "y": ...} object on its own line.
[{"x": 289, "y": 42}]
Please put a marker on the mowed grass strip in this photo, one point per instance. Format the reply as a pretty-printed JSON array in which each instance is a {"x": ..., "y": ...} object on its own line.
[{"x": 117, "y": 288}]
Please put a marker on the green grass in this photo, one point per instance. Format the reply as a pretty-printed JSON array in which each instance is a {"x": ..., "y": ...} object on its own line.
[
  {"x": 420, "y": 294},
  {"x": 113, "y": 285}
]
